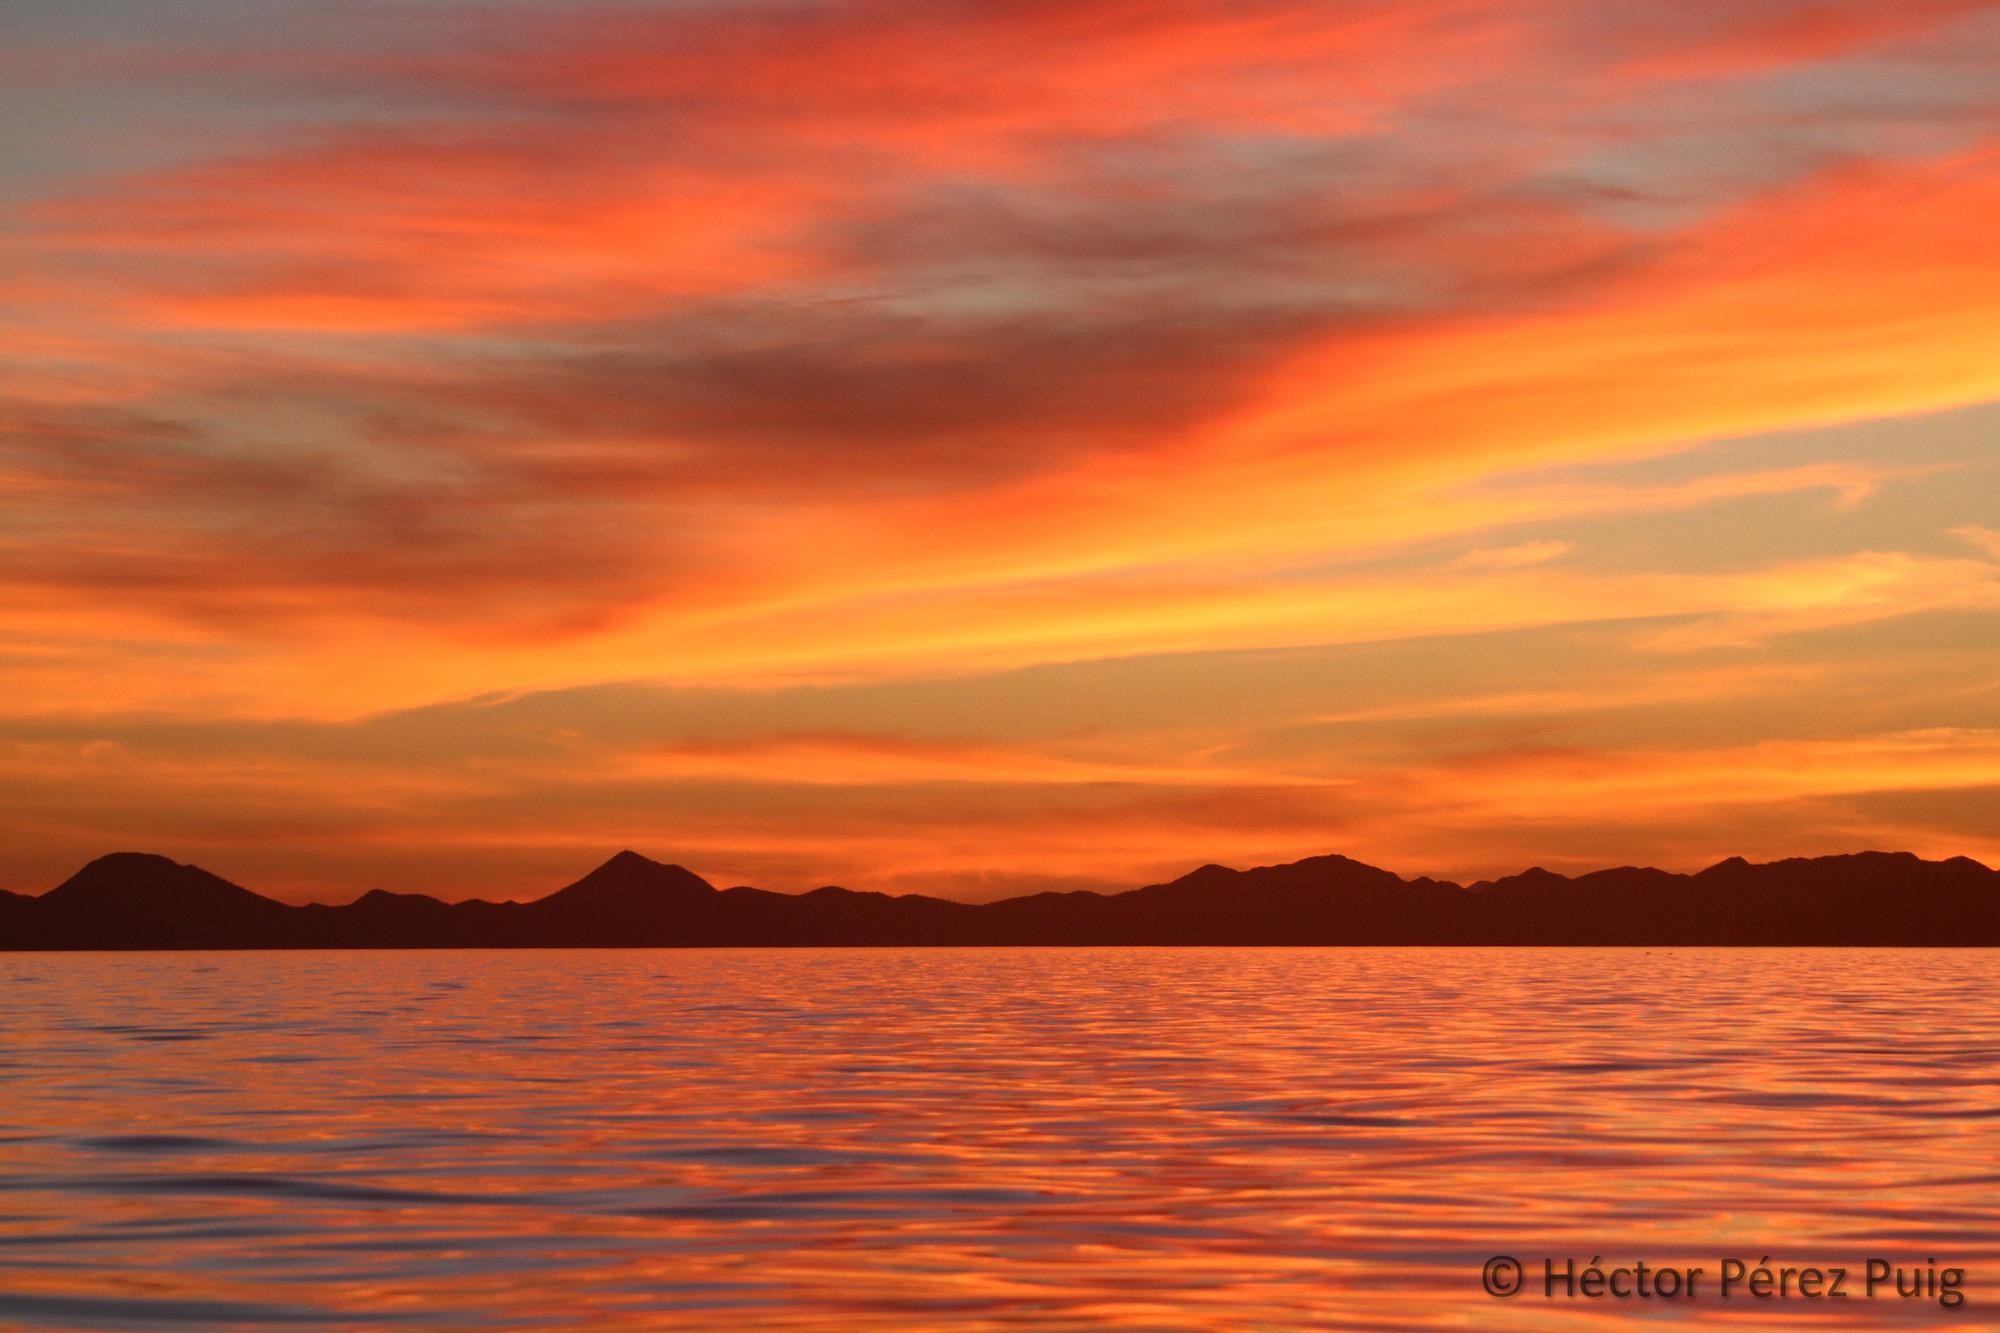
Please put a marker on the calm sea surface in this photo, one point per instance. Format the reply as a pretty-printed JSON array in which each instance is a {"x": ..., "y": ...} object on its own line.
[{"x": 887, "y": 1138}]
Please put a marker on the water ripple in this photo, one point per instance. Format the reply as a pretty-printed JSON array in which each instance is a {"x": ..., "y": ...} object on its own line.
[{"x": 985, "y": 1139}]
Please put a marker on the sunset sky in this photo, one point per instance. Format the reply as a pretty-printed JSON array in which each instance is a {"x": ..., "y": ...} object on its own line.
[{"x": 983, "y": 447}]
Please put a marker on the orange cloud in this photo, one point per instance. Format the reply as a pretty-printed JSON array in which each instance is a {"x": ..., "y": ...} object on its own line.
[
  {"x": 1986, "y": 539},
  {"x": 1750, "y": 37},
  {"x": 871, "y": 345},
  {"x": 1514, "y": 557}
]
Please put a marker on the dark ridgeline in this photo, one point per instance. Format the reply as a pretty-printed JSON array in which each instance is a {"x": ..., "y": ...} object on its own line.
[{"x": 134, "y": 901}]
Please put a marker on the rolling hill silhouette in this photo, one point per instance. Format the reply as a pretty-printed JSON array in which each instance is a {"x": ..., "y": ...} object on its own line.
[{"x": 132, "y": 900}]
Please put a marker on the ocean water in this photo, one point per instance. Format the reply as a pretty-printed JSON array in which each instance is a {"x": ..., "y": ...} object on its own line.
[{"x": 1004, "y": 1138}]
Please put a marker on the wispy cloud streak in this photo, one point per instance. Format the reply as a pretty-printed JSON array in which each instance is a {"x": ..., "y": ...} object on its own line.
[{"x": 454, "y": 351}]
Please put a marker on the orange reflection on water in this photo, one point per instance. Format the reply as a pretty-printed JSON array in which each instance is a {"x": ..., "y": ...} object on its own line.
[{"x": 982, "y": 1138}]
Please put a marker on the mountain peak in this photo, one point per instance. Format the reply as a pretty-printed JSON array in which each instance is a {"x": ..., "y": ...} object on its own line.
[
  {"x": 141, "y": 870},
  {"x": 124, "y": 883},
  {"x": 130, "y": 863},
  {"x": 628, "y": 857},
  {"x": 631, "y": 878}
]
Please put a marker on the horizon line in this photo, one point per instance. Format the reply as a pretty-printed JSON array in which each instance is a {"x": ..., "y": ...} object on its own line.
[{"x": 629, "y": 854}]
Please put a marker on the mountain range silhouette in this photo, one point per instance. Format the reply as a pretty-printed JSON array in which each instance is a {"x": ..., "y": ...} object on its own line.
[{"x": 132, "y": 900}]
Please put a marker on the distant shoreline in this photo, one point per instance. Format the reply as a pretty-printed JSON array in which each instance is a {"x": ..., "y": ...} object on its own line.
[{"x": 130, "y": 902}]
